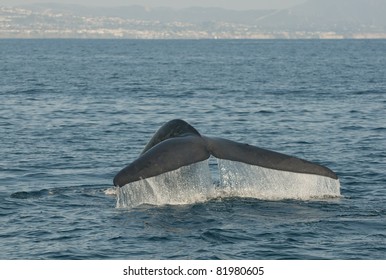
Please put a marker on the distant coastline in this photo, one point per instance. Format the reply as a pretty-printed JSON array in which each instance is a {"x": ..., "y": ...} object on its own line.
[{"x": 135, "y": 22}]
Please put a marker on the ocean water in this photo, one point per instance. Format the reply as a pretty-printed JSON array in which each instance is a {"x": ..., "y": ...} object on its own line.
[{"x": 74, "y": 112}]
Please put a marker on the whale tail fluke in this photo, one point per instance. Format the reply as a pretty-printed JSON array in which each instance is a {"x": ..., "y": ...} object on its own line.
[
  {"x": 234, "y": 151},
  {"x": 168, "y": 155},
  {"x": 178, "y": 144}
]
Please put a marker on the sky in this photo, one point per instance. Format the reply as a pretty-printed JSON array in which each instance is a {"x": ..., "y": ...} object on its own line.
[{"x": 227, "y": 4}]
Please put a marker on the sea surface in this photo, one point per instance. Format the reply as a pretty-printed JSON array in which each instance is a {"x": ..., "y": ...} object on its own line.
[{"x": 75, "y": 112}]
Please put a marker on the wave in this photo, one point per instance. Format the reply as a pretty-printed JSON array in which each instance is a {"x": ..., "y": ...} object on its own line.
[
  {"x": 80, "y": 190},
  {"x": 194, "y": 184},
  {"x": 32, "y": 194}
]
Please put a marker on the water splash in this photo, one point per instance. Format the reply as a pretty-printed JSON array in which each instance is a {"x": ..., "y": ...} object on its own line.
[
  {"x": 244, "y": 180},
  {"x": 186, "y": 185},
  {"x": 194, "y": 183}
]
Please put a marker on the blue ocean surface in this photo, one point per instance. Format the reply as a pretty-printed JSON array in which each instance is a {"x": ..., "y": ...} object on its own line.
[{"x": 74, "y": 112}]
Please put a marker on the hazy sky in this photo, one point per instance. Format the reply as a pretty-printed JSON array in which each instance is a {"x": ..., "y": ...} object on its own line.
[{"x": 228, "y": 4}]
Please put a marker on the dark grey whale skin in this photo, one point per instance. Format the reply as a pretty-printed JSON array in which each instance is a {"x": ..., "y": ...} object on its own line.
[{"x": 178, "y": 144}]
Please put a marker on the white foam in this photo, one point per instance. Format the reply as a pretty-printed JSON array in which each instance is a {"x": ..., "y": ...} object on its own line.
[
  {"x": 194, "y": 183},
  {"x": 111, "y": 191}
]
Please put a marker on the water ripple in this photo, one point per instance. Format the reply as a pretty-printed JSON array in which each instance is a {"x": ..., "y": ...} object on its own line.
[{"x": 80, "y": 110}]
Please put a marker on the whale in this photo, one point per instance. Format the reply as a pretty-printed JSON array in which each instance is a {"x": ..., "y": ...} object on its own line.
[{"x": 177, "y": 144}]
